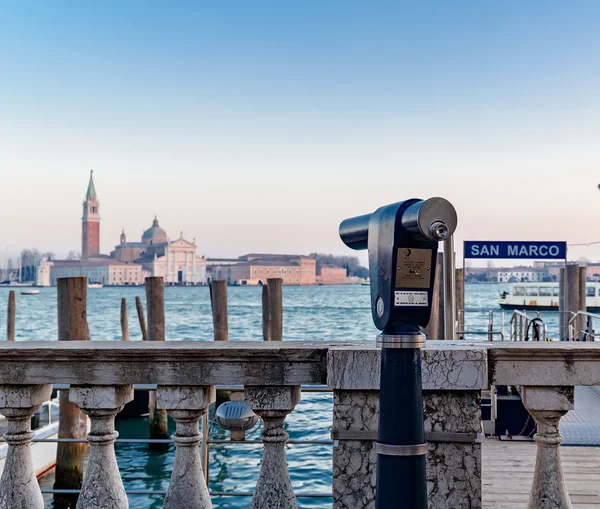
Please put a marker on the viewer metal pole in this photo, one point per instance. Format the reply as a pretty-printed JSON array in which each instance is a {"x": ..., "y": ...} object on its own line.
[{"x": 449, "y": 293}]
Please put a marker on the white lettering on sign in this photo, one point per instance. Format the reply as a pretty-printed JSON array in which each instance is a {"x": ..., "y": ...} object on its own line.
[
  {"x": 418, "y": 299},
  {"x": 514, "y": 251}
]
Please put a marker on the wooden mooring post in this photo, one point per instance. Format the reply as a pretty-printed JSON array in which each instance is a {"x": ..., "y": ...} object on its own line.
[
  {"x": 11, "y": 316},
  {"x": 155, "y": 304},
  {"x": 124, "y": 320},
  {"x": 572, "y": 298},
  {"x": 140, "y": 312},
  {"x": 218, "y": 305},
  {"x": 72, "y": 325},
  {"x": 272, "y": 310},
  {"x": 460, "y": 301},
  {"x": 582, "y": 321},
  {"x": 563, "y": 321}
]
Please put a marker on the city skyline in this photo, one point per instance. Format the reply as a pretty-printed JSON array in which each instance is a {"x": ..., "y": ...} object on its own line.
[{"x": 260, "y": 127}]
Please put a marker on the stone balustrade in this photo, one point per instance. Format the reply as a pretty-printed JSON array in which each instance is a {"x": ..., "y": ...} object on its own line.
[{"x": 101, "y": 376}]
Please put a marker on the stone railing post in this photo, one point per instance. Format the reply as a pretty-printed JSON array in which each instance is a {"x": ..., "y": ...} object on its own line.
[
  {"x": 186, "y": 404},
  {"x": 547, "y": 405},
  {"x": 452, "y": 380},
  {"x": 272, "y": 404},
  {"x": 102, "y": 485},
  {"x": 19, "y": 488}
]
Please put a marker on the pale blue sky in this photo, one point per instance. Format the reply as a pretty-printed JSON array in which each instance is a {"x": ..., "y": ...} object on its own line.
[{"x": 260, "y": 125}]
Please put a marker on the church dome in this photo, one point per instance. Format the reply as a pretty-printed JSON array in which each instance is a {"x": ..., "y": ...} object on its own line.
[{"x": 155, "y": 234}]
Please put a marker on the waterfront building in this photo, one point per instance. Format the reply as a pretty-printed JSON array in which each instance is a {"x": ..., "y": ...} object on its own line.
[
  {"x": 257, "y": 268},
  {"x": 130, "y": 262},
  {"x": 332, "y": 275},
  {"x": 176, "y": 261},
  {"x": 103, "y": 270},
  {"x": 90, "y": 222}
]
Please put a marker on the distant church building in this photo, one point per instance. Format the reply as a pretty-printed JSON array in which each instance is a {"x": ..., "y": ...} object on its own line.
[
  {"x": 177, "y": 261},
  {"x": 90, "y": 222},
  {"x": 130, "y": 262}
]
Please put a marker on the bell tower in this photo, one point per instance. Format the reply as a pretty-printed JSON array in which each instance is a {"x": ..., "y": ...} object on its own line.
[{"x": 90, "y": 222}]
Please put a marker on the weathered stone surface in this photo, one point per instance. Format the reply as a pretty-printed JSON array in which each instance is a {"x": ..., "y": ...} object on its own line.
[
  {"x": 166, "y": 363},
  {"x": 185, "y": 397},
  {"x": 281, "y": 399},
  {"x": 187, "y": 487},
  {"x": 99, "y": 397},
  {"x": 24, "y": 396},
  {"x": 548, "y": 405},
  {"x": 102, "y": 486},
  {"x": 186, "y": 405},
  {"x": 564, "y": 363},
  {"x": 453, "y": 469},
  {"x": 274, "y": 487},
  {"x": 445, "y": 366},
  {"x": 354, "y": 461},
  {"x": 19, "y": 488},
  {"x": 548, "y": 398}
]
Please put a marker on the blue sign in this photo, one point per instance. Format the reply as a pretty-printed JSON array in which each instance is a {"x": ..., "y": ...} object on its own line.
[{"x": 516, "y": 250}]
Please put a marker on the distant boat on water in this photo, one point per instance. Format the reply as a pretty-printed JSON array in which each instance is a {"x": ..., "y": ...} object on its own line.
[
  {"x": 30, "y": 292},
  {"x": 95, "y": 285}
]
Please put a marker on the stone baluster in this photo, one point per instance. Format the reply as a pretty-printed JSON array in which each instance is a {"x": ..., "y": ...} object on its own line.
[
  {"x": 102, "y": 486},
  {"x": 547, "y": 405},
  {"x": 186, "y": 404},
  {"x": 19, "y": 488},
  {"x": 272, "y": 404}
]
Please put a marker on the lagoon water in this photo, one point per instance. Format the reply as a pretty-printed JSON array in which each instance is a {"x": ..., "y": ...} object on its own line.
[{"x": 321, "y": 313}]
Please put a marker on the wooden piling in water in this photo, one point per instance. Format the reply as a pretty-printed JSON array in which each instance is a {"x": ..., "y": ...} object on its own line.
[
  {"x": 11, "y": 316},
  {"x": 581, "y": 325},
  {"x": 155, "y": 304},
  {"x": 124, "y": 321},
  {"x": 141, "y": 318},
  {"x": 435, "y": 328},
  {"x": 218, "y": 305},
  {"x": 563, "y": 322},
  {"x": 72, "y": 325},
  {"x": 460, "y": 301},
  {"x": 272, "y": 310},
  {"x": 572, "y": 297}
]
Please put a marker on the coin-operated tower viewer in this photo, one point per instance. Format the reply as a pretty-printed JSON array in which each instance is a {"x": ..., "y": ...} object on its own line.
[{"x": 402, "y": 240}]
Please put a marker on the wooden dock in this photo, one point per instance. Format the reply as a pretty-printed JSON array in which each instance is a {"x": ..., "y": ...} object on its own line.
[{"x": 508, "y": 474}]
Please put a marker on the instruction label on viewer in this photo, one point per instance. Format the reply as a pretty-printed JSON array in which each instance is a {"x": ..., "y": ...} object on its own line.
[{"x": 418, "y": 299}]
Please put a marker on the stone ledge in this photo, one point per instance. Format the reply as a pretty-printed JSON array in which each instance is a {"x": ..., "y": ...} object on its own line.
[{"x": 446, "y": 366}]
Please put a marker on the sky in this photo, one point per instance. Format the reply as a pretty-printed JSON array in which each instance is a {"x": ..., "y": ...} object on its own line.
[{"x": 260, "y": 126}]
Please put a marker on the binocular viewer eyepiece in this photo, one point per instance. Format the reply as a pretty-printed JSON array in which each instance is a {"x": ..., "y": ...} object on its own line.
[
  {"x": 402, "y": 239},
  {"x": 432, "y": 219}
]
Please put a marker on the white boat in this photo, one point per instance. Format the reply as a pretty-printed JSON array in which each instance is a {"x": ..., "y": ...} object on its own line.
[
  {"x": 43, "y": 453},
  {"x": 544, "y": 297},
  {"x": 30, "y": 292},
  {"x": 95, "y": 285}
]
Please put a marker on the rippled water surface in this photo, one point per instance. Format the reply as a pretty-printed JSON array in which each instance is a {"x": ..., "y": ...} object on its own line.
[{"x": 324, "y": 313}]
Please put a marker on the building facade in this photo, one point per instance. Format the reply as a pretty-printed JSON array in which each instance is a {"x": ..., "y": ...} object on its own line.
[
  {"x": 257, "y": 268},
  {"x": 332, "y": 275},
  {"x": 105, "y": 271},
  {"x": 90, "y": 222},
  {"x": 180, "y": 264}
]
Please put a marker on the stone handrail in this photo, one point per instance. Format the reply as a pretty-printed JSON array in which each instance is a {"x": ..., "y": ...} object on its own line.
[{"x": 101, "y": 376}]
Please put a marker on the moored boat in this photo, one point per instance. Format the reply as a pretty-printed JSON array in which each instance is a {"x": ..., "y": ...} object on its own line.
[
  {"x": 95, "y": 285},
  {"x": 30, "y": 292},
  {"x": 531, "y": 296}
]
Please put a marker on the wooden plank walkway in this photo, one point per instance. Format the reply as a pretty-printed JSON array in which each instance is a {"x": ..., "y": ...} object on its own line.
[{"x": 508, "y": 473}]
